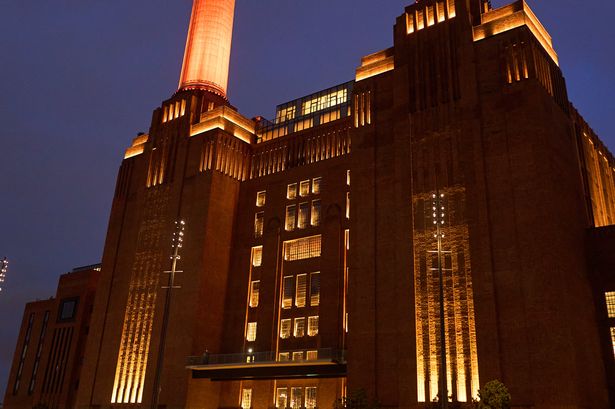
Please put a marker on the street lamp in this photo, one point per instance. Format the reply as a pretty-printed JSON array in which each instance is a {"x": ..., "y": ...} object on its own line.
[{"x": 177, "y": 244}]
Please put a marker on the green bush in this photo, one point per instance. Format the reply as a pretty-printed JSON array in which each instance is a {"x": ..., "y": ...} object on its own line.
[{"x": 494, "y": 395}]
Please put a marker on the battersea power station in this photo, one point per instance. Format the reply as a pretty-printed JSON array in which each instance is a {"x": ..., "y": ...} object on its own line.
[{"x": 443, "y": 219}]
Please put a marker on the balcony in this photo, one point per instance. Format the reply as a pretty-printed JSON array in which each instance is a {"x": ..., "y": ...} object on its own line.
[{"x": 330, "y": 363}]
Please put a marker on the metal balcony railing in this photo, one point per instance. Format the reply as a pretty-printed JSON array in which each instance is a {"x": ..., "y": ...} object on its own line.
[{"x": 259, "y": 358}]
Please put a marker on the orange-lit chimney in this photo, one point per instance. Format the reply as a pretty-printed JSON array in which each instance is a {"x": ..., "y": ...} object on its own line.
[{"x": 208, "y": 47}]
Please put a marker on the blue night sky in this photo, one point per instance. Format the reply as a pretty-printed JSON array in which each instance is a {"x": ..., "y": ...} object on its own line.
[{"x": 79, "y": 79}]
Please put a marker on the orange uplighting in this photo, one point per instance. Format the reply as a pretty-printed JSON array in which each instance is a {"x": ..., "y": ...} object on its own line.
[{"x": 208, "y": 47}]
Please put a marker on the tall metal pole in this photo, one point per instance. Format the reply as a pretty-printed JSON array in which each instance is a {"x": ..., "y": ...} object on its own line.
[
  {"x": 438, "y": 214},
  {"x": 178, "y": 238}
]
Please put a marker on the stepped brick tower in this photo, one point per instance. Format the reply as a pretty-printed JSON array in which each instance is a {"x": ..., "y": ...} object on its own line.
[{"x": 442, "y": 220}]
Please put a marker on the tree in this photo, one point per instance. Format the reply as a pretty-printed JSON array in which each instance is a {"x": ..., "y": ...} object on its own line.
[
  {"x": 356, "y": 400},
  {"x": 494, "y": 395}
]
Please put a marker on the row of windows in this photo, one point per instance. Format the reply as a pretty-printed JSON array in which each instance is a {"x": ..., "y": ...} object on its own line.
[
  {"x": 305, "y": 187},
  {"x": 298, "y": 356},
  {"x": 301, "y": 222},
  {"x": 299, "y": 290},
  {"x": 173, "y": 111},
  {"x": 299, "y": 330},
  {"x": 286, "y": 325},
  {"x": 299, "y": 398}
]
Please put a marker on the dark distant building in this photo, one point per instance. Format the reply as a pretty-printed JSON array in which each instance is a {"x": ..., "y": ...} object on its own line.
[
  {"x": 315, "y": 242},
  {"x": 49, "y": 353}
]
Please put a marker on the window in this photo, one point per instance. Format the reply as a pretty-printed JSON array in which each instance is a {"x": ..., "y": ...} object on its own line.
[
  {"x": 299, "y": 328},
  {"x": 304, "y": 211},
  {"x": 348, "y": 205},
  {"x": 300, "y": 249},
  {"x": 257, "y": 256},
  {"x": 312, "y": 355},
  {"x": 315, "y": 213},
  {"x": 251, "y": 335},
  {"x": 347, "y": 239},
  {"x": 348, "y": 177},
  {"x": 291, "y": 217},
  {"x": 610, "y": 303},
  {"x": 285, "y": 328},
  {"x": 301, "y": 293},
  {"x": 313, "y": 326},
  {"x": 316, "y": 185},
  {"x": 254, "y": 293},
  {"x": 613, "y": 339},
  {"x": 296, "y": 398},
  {"x": 304, "y": 188},
  {"x": 287, "y": 292},
  {"x": 310, "y": 397},
  {"x": 284, "y": 356},
  {"x": 298, "y": 356},
  {"x": 281, "y": 400},
  {"x": 314, "y": 289},
  {"x": 291, "y": 191},
  {"x": 68, "y": 309},
  {"x": 260, "y": 198},
  {"x": 259, "y": 222},
  {"x": 246, "y": 399}
]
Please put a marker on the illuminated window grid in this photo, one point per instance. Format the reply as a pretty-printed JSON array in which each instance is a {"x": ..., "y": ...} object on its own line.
[
  {"x": 284, "y": 356},
  {"x": 285, "y": 327},
  {"x": 610, "y": 303},
  {"x": 329, "y": 100},
  {"x": 246, "y": 399},
  {"x": 613, "y": 339},
  {"x": 287, "y": 292},
  {"x": 281, "y": 400},
  {"x": 298, "y": 356},
  {"x": 311, "y": 393},
  {"x": 261, "y": 197},
  {"x": 251, "y": 332},
  {"x": 312, "y": 355},
  {"x": 299, "y": 331},
  {"x": 304, "y": 248},
  {"x": 296, "y": 398},
  {"x": 254, "y": 293},
  {"x": 257, "y": 256},
  {"x": 313, "y": 326},
  {"x": 301, "y": 291}
]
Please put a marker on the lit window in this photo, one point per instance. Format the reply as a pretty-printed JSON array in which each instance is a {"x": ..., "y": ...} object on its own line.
[
  {"x": 347, "y": 239},
  {"x": 613, "y": 339},
  {"x": 312, "y": 355},
  {"x": 285, "y": 325},
  {"x": 310, "y": 397},
  {"x": 348, "y": 205},
  {"x": 304, "y": 210},
  {"x": 260, "y": 198},
  {"x": 291, "y": 217},
  {"x": 246, "y": 399},
  {"x": 287, "y": 292},
  {"x": 348, "y": 177},
  {"x": 316, "y": 185},
  {"x": 251, "y": 335},
  {"x": 254, "y": 293},
  {"x": 291, "y": 191},
  {"x": 284, "y": 356},
  {"x": 259, "y": 222},
  {"x": 299, "y": 331},
  {"x": 296, "y": 398},
  {"x": 315, "y": 213},
  {"x": 313, "y": 326},
  {"x": 281, "y": 400},
  {"x": 314, "y": 289},
  {"x": 610, "y": 303},
  {"x": 300, "y": 249},
  {"x": 298, "y": 356},
  {"x": 301, "y": 293},
  {"x": 304, "y": 188},
  {"x": 257, "y": 256}
]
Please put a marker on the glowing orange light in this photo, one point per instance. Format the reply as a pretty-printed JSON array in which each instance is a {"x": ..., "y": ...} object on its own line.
[{"x": 208, "y": 47}]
